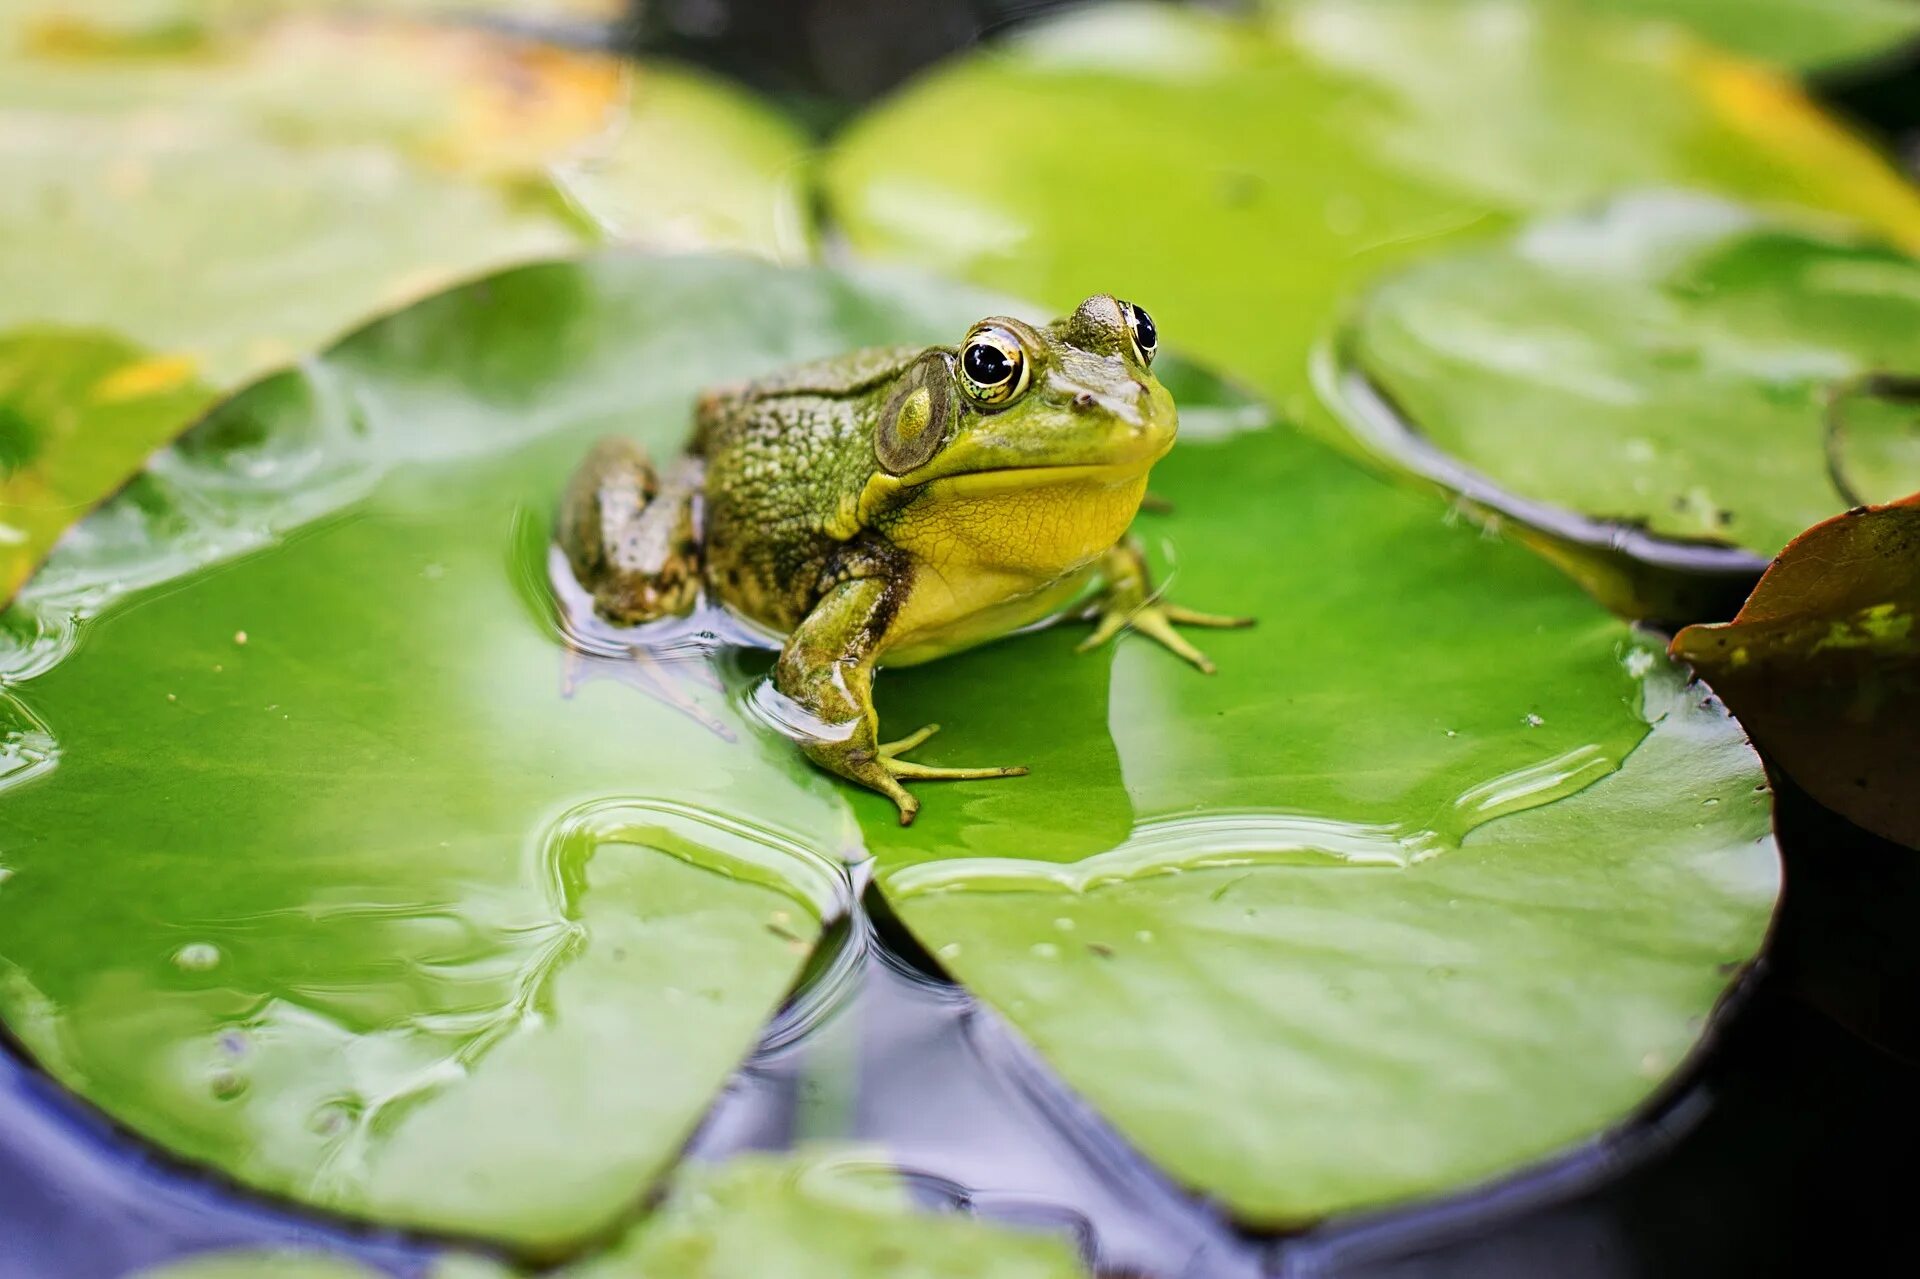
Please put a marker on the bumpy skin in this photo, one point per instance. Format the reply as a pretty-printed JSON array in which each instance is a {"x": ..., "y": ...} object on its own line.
[{"x": 892, "y": 506}]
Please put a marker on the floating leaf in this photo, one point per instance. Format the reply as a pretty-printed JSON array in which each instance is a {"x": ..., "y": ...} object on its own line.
[
  {"x": 818, "y": 1219},
  {"x": 1809, "y": 34},
  {"x": 1408, "y": 895},
  {"x": 419, "y": 888},
  {"x": 74, "y": 409},
  {"x": 369, "y": 942},
  {"x": 813, "y": 1216},
  {"x": 1657, "y": 378},
  {"x": 1243, "y": 178},
  {"x": 215, "y": 198},
  {"x": 1823, "y": 664},
  {"x": 698, "y": 165}
]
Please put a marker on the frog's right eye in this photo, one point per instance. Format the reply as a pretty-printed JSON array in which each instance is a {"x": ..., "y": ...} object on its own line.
[{"x": 993, "y": 366}]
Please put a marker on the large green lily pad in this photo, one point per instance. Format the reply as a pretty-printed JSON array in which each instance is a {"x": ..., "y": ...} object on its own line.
[
  {"x": 1670, "y": 372},
  {"x": 1391, "y": 905},
  {"x": 1242, "y": 178},
  {"x": 213, "y": 201},
  {"x": 434, "y": 921},
  {"x": 1413, "y": 863}
]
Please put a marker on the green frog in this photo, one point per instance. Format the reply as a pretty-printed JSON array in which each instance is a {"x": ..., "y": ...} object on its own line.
[{"x": 895, "y": 505}]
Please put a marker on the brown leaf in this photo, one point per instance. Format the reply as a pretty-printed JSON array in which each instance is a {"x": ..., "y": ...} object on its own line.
[{"x": 1822, "y": 665}]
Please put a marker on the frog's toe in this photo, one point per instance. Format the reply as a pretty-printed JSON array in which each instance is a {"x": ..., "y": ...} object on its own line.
[
  {"x": 902, "y": 799},
  {"x": 1156, "y": 620},
  {"x": 1155, "y": 624},
  {"x": 890, "y": 749},
  {"x": 1192, "y": 617},
  {"x": 1109, "y": 623},
  {"x": 889, "y": 758},
  {"x": 929, "y": 773}
]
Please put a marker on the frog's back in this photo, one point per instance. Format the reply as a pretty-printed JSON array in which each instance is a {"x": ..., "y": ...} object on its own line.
[{"x": 783, "y": 452}]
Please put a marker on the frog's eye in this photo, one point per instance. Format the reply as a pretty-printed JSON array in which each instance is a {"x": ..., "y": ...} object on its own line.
[
  {"x": 1145, "y": 334},
  {"x": 993, "y": 365}
]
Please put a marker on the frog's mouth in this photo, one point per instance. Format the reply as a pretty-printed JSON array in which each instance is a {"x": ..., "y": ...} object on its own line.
[{"x": 1047, "y": 475}]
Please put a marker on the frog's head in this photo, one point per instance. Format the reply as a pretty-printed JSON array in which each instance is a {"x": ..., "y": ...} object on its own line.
[{"x": 1014, "y": 404}]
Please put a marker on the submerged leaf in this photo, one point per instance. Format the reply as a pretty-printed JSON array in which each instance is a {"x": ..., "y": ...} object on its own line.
[{"x": 1823, "y": 665}]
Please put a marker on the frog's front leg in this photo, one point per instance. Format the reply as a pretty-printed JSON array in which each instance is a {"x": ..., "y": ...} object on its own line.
[
  {"x": 826, "y": 667},
  {"x": 1127, "y": 601}
]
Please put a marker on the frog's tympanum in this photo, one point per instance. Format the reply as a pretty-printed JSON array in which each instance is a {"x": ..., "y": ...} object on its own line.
[{"x": 895, "y": 505}]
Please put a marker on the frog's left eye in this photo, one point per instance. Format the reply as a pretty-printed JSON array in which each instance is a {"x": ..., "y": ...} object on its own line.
[
  {"x": 993, "y": 365},
  {"x": 1145, "y": 334}
]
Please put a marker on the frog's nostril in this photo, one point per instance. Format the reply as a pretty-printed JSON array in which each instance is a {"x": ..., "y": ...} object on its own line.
[{"x": 1084, "y": 400}]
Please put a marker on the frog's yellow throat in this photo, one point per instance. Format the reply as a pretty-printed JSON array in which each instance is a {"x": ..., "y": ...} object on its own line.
[{"x": 1030, "y": 522}]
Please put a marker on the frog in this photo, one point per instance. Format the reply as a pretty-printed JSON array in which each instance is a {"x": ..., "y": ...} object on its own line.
[{"x": 893, "y": 506}]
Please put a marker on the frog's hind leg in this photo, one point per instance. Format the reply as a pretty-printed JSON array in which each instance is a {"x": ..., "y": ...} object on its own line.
[{"x": 631, "y": 535}]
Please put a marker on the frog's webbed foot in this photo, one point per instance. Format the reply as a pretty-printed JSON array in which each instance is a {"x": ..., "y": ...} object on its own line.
[
  {"x": 881, "y": 768},
  {"x": 1128, "y": 603},
  {"x": 826, "y": 668}
]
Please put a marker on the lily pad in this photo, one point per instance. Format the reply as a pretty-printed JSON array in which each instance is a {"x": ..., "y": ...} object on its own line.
[
  {"x": 818, "y": 1218},
  {"x": 1242, "y": 178},
  {"x": 213, "y": 199},
  {"x": 813, "y": 1215},
  {"x": 437, "y": 921},
  {"x": 75, "y": 409},
  {"x": 1672, "y": 376},
  {"x": 1441, "y": 874},
  {"x": 1807, "y": 34},
  {"x": 1823, "y": 663},
  {"x": 1462, "y": 869}
]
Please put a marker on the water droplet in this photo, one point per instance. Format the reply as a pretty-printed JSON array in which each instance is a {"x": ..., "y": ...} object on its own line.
[
  {"x": 1064, "y": 924},
  {"x": 1534, "y": 721},
  {"x": 1045, "y": 950},
  {"x": 1711, "y": 800},
  {"x": 949, "y": 951},
  {"x": 226, "y": 1084},
  {"x": 1144, "y": 935},
  {"x": 240, "y": 637},
  {"x": 197, "y": 957}
]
